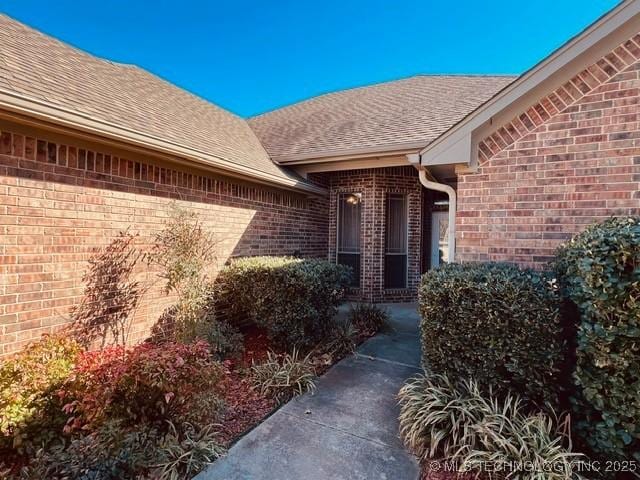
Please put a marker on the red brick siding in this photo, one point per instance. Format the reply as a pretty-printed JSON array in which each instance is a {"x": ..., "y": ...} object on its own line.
[
  {"x": 567, "y": 94},
  {"x": 59, "y": 203},
  {"x": 575, "y": 163},
  {"x": 375, "y": 185}
]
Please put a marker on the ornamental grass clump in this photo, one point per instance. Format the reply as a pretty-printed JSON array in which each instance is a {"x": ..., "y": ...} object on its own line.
[
  {"x": 342, "y": 340},
  {"x": 184, "y": 452},
  {"x": 599, "y": 270},
  {"x": 369, "y": 319},
  {"x": 284, "y": 377},
  {"x": 497, "y": 324},
  {"x": 480, "y": 432}
]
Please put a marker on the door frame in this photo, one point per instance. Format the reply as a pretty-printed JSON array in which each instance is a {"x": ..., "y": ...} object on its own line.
[{"x": 434, "y": 250}]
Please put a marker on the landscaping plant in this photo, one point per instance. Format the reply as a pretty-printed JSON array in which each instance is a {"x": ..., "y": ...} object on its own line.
[
  {"x": 110, "y": 452},
  {"x": 182, "y": 453},
  {"x": 145, "y": 384},
  {"x": 342, "y": 340},
  {"x": 184, "y": 251},
  {"x": 224, "y": 340},
  {"x": 283, "y": 377},
  {"x": 368, "y": 318},
  {"x": 294, "y": 299},
  {"x": 30, "y": 408},
  {"x": 599, "y": 270},
  {"x": 461, "y": 423},
  {"x": 115, "y": 452},
  {"x": 495, "y": 323}
]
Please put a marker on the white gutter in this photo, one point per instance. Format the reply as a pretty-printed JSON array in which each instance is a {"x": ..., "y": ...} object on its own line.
[{"x": 427, "y": 182}]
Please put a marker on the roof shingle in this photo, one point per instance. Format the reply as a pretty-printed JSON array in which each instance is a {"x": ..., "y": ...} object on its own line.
[
  {"x": 414, "y": 110},
  {"x": 45, "y": 69}
]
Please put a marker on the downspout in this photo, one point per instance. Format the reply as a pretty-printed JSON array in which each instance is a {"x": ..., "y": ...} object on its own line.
[{"x": 428, "y": 182}]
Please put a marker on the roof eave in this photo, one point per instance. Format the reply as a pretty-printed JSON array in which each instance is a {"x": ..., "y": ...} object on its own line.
[
  {"x": 579, "y": 44},
  {"x": 350, "y": 153},
  {"x": 57, "y": 115}
]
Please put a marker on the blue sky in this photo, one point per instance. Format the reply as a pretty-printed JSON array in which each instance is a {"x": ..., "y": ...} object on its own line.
[{"x": 251, "y": 56}]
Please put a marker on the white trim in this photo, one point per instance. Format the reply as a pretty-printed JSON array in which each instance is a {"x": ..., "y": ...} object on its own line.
[
  {"x": 578, "y": 45},
  {"x": 349, "y": 153},
  {"x": 24, "y": 105}
]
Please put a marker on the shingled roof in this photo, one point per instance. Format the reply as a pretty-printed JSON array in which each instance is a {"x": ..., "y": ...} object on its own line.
[
  {"x": 44, "y": 69},
  {"x": 414, "y": 110}
]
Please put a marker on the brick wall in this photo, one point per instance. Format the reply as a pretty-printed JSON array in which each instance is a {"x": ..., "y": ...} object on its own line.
[
  {"x": 59, "y": 203},
  {"x": 568, "y": 161},
  {"x": 375, "y": 185}
]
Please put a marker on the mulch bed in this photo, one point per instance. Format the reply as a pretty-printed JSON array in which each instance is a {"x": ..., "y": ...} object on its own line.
[
  {"x": 256, "y": 346},
  {"x": 245, "y": 407}
]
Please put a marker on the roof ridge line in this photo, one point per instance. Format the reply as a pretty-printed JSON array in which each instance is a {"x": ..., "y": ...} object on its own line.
[{"x": 380, "y": 83}]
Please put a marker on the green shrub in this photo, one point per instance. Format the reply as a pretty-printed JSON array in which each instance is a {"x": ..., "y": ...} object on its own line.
[
  {"x": 30, "y": 409},
  {"x": 599, "y": 270},
  {"x": 495, "y": 323},
  {"x": 108, "y": 453},
  {"x": 145, "y": 384},
  {"x": 225, "y": 340},
  {"x": 282, "y": 378},
  {"x": 368, "y": 319},
  {"x": 184, "y": 252},
  {"x": 114, "y": 452},
  {"x": 477, "y": 430},
  {"x": 295, "y": 300}
]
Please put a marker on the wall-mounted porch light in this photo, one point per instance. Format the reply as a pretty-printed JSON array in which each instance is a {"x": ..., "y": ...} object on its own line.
[{"x": 353, "y": 198}]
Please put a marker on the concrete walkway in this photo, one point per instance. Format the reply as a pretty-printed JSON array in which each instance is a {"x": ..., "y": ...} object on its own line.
[{"x": 347, "y": 430}]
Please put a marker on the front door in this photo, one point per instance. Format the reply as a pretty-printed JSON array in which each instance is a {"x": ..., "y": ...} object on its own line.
[{"x": 439, "y": 238}]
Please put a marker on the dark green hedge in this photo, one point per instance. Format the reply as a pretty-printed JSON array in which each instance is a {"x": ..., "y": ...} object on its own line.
[
  {"x": 294, "y": 299},
  {"x": 599, "y": 270},
  {"x": 496, "y": 324}
]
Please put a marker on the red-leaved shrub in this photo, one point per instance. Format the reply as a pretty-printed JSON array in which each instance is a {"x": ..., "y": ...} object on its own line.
[{"x": 144, "y": 384}]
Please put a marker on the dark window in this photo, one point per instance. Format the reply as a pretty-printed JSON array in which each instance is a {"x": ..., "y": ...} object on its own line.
[
  {"x": 349, "y": 219},
  {"x": 395, "y": 264}
]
